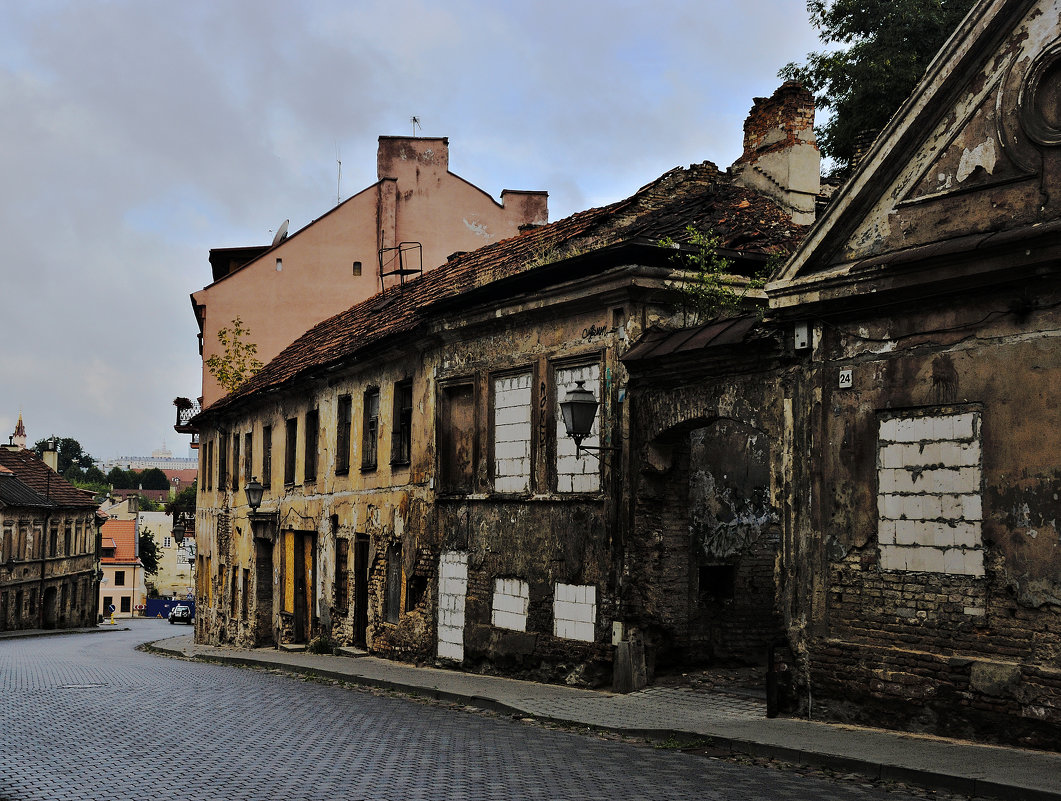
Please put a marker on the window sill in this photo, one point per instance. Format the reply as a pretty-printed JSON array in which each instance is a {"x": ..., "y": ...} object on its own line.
[{"x": 368, "y": 468}]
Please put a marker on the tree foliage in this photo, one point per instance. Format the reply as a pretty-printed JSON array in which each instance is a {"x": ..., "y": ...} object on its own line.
[
  {"x": 882, "y": 50},
  {"x": 154, "y": 479},
  {"x": 707, "y": 285},
  {"x": 71, "y": 454},
  {"x": 149, "y": 552},
  {"x": 239, "y": 361},
  {"x": 120, "y": 479}
]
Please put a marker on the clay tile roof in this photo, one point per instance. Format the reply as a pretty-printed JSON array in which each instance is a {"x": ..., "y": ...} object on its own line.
[
  {"x": 36, "y": 475},
  {"x": 123, "y": 533},
  {"x": 700, "y": 196}
]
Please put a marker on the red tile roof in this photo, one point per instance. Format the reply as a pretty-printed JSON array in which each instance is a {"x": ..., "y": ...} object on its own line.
[
  {"x": 36, "y": 475},
  {"x": 123, "y": 532},
  {"x": 699, "y": 196}
]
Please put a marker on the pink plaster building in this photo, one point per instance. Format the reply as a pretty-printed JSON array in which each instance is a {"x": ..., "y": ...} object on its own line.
[{"x": 414, "y": 217}]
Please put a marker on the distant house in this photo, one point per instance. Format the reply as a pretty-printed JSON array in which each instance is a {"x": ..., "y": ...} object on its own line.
[
  {"x": 48, "y": 544},
  {"x": 123, "y": 583},
  {"x": 413, "y": 218},
  {"x": 176, "y": 562}
]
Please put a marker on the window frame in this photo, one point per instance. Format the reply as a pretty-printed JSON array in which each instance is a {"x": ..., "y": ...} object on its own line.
[
  {"x": 492, "y": 378},
  {"x": 344, "y": 423},
  {"x": 370, "y": 429},
  {"x": 402, "y": 423},
  {"x": 311, "y": 442},
  {"x": 290, "y": 450},
  {"x": 267, "y": 457}
]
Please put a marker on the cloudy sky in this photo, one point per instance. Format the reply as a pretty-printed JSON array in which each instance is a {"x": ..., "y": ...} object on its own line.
[{"x": 136, "y": 135}]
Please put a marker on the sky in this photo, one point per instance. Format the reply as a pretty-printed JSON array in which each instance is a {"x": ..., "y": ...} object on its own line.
[{"x": 136, "y": 135}]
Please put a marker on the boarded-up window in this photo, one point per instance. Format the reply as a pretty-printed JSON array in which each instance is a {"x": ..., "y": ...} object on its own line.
[
  {"x": 235, "y": 462},
  {"x": 457, "y": 438},
  {"x": 582, "y": 473},
  {"x": 342, "y": 575},
  {"x": 512, "y": 433},
  {"x": 402, "y": 427},
  {"x": 929, "y": 493},
  {"x": 393, "y": 601},
  {"x": 222, "y": 462},
  {"x": 289, "y": 450},
  {"x": 267, "y": 456},
  {"x": 248, "y": 456},
  {"x": 370, "y": 430},
  {"x": 343, "y": 421},
  {"x": 312, "y": 433}
]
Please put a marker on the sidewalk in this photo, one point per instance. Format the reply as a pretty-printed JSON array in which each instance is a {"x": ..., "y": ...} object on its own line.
[{"x": 733, "y": 722}]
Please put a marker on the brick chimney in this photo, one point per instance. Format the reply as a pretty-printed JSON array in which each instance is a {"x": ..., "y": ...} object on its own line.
[{"x": 780, "y": 156}]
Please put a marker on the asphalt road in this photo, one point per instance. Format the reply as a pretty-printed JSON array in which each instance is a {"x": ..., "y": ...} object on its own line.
[{"x": 86, "y": 716}]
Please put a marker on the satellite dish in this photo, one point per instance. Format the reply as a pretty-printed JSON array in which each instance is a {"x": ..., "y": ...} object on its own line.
[{"x": 281, "y": 233}]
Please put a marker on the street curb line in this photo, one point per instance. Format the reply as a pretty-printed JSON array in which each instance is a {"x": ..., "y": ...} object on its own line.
[{"x": 978, "y": 788}]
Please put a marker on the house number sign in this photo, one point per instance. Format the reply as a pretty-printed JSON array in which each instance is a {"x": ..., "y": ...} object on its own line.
[{"x": 845, "y": 379}]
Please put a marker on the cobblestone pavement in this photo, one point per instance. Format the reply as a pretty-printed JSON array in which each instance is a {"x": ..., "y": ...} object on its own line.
[{"x": 89, "y": 717}]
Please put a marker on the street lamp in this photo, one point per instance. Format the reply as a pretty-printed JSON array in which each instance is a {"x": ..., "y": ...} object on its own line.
[
  {"x": 254, "y": 490},
  {"x": 178, "y": 528},
  {"x": 579, "y": 410}
]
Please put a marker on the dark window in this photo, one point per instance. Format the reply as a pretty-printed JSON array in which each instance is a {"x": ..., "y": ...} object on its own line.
[
  {"x": 417, "y": 586},
  {"x": 235, "y": 462},
  {"x": 717, "y": 583},
  {"x": 402, "y": 427},
  {"x": 312, "y": 432},
  {"x": 267, "y": 456},
  {"x": 222, "y": 461},
  {"x": 289, "y": 451},
  {"x": 248, "y": 460},
  {"x": 457, "y": 438},
  {"x": 53, "y": 539},
  {"x": 68, "y": 539},
  {"x": 233, "y": 591},
  {"x": 394, "y": 583},
  {"x": 119, "y": 578},
  {"x": 343, "y": 420},
  {"x": 246, "y": 590},
  {"x": 342, "y": 575},
  {"x": 370, "y": 434},
  {"x": 127, "y": 604}
]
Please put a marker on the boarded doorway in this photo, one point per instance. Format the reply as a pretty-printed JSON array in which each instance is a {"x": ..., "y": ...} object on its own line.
[
  {"x": 299, "y": 569},
  {"x": 263, "y": 592},
  {"x": 360, "y": 590}
]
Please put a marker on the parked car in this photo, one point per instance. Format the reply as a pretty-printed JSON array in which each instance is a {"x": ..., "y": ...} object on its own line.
[{"x": 180, "y": 613}]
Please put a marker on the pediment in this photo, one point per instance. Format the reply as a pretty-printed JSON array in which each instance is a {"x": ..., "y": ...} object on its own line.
[{"x": 971, "y": 151}]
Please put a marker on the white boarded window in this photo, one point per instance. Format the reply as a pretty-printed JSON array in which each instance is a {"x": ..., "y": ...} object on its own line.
[
  {"x": 577, "y": 474},
  {"x": 575, "y": 611},
  {"x": 452, "y": 592},
  {"x": 511, "y": 603},
  {"x": 928, "y": 493},
  {"x": 512, "y": 433}
]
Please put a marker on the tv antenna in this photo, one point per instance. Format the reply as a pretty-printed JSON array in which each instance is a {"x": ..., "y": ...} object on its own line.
[
  {"x": 339, "y": 178},
  {"x": 281, "y": 233},
  {"x": 416, "y": 124}
]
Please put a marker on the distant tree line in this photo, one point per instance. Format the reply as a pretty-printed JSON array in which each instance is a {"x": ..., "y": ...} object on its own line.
[{"x": 77, "y": 467}]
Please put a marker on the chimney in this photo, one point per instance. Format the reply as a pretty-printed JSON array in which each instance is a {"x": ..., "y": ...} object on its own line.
[
  {"x": 780, "y": 156},
  {"x": 50, "y": 456}
]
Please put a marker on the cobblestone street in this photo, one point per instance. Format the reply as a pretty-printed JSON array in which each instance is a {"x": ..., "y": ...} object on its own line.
[{"x": 88, "y": 717}]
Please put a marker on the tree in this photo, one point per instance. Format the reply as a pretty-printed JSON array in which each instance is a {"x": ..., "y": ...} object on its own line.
[
  {"x": 149, "y": 554},
  {"x": 886, "y": 45},
  {"x": 706, "y": 284},
  {"x": 239, "y": 361},
  {"x": 71, "y": 454},
  {"x": 145, "y": 504},
  {"x": 153, "y": 479},
  {"x": 119, "y": 479}
]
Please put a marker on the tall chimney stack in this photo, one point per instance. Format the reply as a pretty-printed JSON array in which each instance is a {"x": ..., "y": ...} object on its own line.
[{"x": 781, "y": 158}]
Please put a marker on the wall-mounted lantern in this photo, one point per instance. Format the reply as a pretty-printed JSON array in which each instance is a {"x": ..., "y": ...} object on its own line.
[
  {"x": 579, "y": 410},
  {"x": 254, "y": 490}
]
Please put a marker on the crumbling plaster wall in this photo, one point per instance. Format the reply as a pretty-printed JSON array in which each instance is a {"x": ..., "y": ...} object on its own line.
[{"x": 930, "y": 638}]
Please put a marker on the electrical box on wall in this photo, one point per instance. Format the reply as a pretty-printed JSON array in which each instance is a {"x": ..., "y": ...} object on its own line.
[{"x": 801, "y": 339}]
